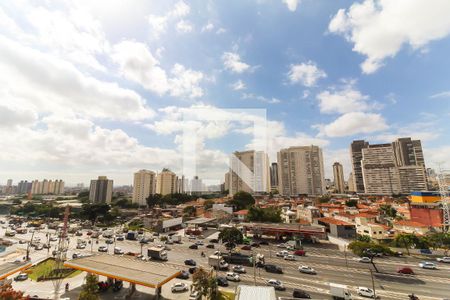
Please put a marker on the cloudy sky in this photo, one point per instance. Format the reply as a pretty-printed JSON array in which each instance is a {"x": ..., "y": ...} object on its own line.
[{"x": 92, "y": 88}]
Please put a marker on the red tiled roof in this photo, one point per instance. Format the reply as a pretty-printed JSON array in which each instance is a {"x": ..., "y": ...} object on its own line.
[
  {"x": 333, "y": 221},
  {"x": 366, "y": 215},
  {"x": 410, "y": 223},
  {"x": 242, "y": 212}
]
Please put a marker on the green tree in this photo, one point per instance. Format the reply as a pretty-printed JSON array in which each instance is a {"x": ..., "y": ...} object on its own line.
[
  {"x": 231, "y": 237},
  {"x": 17, "y": 201},
  {"x": 208, "y": 204},
  {"x": 324, "y": 198},
  {"x": 439, "y": 240},
  {"x": 388, "y": 210},
  {"x": 90, "y": 288},
  {"x": 242, "y": 200},
  {"x": 257, "y": 214},
  {"x": 189, "y": 211},
  {"x": 351, "y": 203},
  {"x": 205, "y": 283},
  {"x": 363, "y": 238},
  {"x": 406, "y": 240},
  {"x": 154, "y": 200}
]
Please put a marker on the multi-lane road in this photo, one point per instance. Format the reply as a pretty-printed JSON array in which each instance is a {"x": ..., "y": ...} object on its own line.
[{"x": 330, "y": 265}]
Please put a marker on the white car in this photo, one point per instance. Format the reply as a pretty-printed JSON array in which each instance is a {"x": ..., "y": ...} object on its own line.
[
  {"x": 81, "y": 246},
  {"x": 365, "y": 292},
  {"x": 239, "y": 269},
  {"x": 195, "y": 295},
  {"x": 282, "y": 253},
  {"x": 179, "y": 287},
  {"x": 427, "y": 265},
  {"x": 199, "y": 243},
  {"x": 53, "y": 239},
  {"x": 445, "y": 259},
  {"x": 39, "y": 247},
  {"x": 281, "y": 245},
  {"x": 364, "y": 259},
  {"x": 289, "y": 257},
  {"x": 118, "y": 251},
  {"x": 232, "y": 277},
  {"x": 307, "y": 270},
  {"x": 278, "y": 285}
]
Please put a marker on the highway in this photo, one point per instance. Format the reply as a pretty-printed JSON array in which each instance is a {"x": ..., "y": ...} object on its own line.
[{"x": 331, "y": 266}]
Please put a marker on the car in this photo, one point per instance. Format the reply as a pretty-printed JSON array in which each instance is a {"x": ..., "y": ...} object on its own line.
[
  {"x": 405, "y": 270},
  {"x": 39, "y": 247},
  {"x": 282, "y": 245},
  {"x": 195, "y": 295},
  {"x": 193, "y": 246},
  {"x": 289, "y": 257},
  {"x": 192, "y": 270},
  {"x": 21, "y": 277},
  {"x": 102, "y": 249},
  {"x": 264, "y": 243},
  {"x": 109, "y": 241},
  {"x": 81, "y": 246},
  {"x": 22, "y": 241},
  {"x": 273, "y": 269},
  {"x": 364, "y": 259},
  {"x": 192, "y": 237},
  {"x": 210, "y": 246},
  {"x": 169, "y": 242},
  {"x": 118, "y": 251},
  {"x": 179, "y": 287},
  {"x": 445, "y": 259},
  {"x": 120, "y": 238},
  {"x": 239, "y": 269},
  {"x": 232, "y": 277},
  {"x": 290, "y": 248},
  {"x": 183, "y": 275},
  {"x": 278, "y": 285},
  {"x": 47, "y": 246},
  {"x": 426, "y": 251},
  {"x": 298, "y": 293},
  {"x": 53, "y": 239},
  {"x": 282, "y": 253},
  {"x": 78, "y": 233},
  {"x": 89, "y": 232},
  {"x": 256, "y": 245},
  {"x": 199, "y": 243},
  {"x": 214, "y": 241},
  {"x": 300, "y": 252},
  {"x": 222, "y": 281},
  {"x": 76, "y": 255},
  {"x": 307, "y": 270},
  {"x": 365, "y": 292},
  {"x": 190, "y": 262},
  {"x": 246, "y": 247},
  {"x": 427, "y": 265}
]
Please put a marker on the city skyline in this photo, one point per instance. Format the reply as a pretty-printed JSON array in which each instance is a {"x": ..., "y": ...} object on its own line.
[{"x": 110, "y": 99}]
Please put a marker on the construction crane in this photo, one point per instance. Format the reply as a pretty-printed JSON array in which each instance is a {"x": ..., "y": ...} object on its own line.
[
  {"x": 61, "y": 254},
  {"x": 445, "y": 197}
]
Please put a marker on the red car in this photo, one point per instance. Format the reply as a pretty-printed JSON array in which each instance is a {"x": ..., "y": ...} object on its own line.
[
  {"x": 405, "y": 270},
  {"x": 300, "y": 252},
  {"x": 246, "y": 247}
]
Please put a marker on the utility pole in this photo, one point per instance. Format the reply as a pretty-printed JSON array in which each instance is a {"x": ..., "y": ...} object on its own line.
[
  {"x": 345, "y": 254},
  {"x": 373, "y": 284},
  {"x": 254, "y": 268},
  {"x": 29, "y": 245}
]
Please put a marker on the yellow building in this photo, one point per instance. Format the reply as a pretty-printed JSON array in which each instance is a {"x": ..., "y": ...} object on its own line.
[{"x": 425, "y": 197}]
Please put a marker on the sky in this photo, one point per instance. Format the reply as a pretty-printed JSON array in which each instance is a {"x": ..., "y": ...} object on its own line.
[{"x": 91, "y": 88}]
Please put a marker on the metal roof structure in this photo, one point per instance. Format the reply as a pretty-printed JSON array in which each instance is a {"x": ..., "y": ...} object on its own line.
[
  {"x": 9, "y": 268},
  {"x": 131, "y": 270},
  {"x": 200, "y": 221},
  {"x": 250, "y": 292}
]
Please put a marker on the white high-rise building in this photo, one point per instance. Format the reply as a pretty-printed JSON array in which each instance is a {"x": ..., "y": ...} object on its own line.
[
  {"x": 301, "y": 171},
  {"x": 166, "y": 182},
  {"x": 144, "y": 185},
  {"x": 338, "y": 172},
  {"x": 249, "y": 172}
]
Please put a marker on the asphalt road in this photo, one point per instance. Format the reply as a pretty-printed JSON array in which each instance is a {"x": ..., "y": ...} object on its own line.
[{"x": 331, "y": 266}]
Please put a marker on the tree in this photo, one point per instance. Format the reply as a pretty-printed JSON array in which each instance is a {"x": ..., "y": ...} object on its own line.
[
  {"x": 439, "y": 240},
  {"x": 189, "y": 211},
  {"x": 324, "y": 198},
  {"x": 363, "y": 238},
  {"x": 204, "y": 283},
  {"x": 231, "y": 237},
  {"x": 154, "y": 200},
  {"x": 256, "y": 214},
  {"x": 388, "y": 210},
  {"x": 242, "y": 200},
  {"x": 405, "y": 240},
  {"x": 90, "y": 288},
  {"x": 8, "y": 293},
  {"x": 351, "y": 203},
  {"x": 370, "y": 250},
  {"x": 208, "y": 204}
]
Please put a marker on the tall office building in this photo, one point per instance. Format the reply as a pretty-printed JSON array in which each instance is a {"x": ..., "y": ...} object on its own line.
[
  {"x": 144, "y": 185},
  {"x": 408, "y": 152},
  {"x": 356, "y": 157},
  {"x": 100, "y": 190},
  {"x": 351, "y": 183},
  {"x": 249, "y": 172},
  {"x": 274, "y": 175},
  {"x": 166, "y": 182},
  {"x": 300, "y": 171},
  {"x": 338, "y": 172}
]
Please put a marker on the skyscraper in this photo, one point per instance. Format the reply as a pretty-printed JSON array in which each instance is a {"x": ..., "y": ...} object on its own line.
[
  {"x": 338, "y": 172},
  {"x": 101, "y": 190},
  {"x": 351, "y": 183},
  {"x": 356, "y": 157},
  {"x": 249, "y": 172},
  {"x": 166, "y": 182},
  {"x": 274, "y": 175},
  {"x": 144, "y": 185},
  {"x": 300, "y": 171},
  {"x": 408, "y": 152}
]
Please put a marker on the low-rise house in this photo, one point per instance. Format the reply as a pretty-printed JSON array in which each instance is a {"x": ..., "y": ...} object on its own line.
[
  {"x": 338, "y": 228},
  {"x": 240, "y": 215},
  {"x": 407, "y": 226}
]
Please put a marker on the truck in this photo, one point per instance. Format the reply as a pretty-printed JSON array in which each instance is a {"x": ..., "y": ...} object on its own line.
[
  {"x": 131, "y": 235},
  {"x": 340, "y": 291},
  {"x": 157, "y": 253},
  {"x": 175, "y": 238},
  {"x": 216, "y": 261}
]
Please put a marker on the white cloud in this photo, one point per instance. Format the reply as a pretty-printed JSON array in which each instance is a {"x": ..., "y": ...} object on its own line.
[
  {"x": 14, "y": 116},
  {"x": 180, "y": 9},
  {"x": 425, "y": 130},
  {"x": 306, "y": 74},
  {"x": 232, "y": 61},
  {"x": 291, "y": 4},
  {"x": 137, "y": 64},
  {"x": 343, "y": 100},
  {"x": 158, "y": 24},
  {"x": 184, "y": 26},
  {"x": 252, "y": 96},
  {"x": 221, "y": 30},
  {"x": 49, "y": 84},
  {"x": 379, "y": 28},
  {"x": 445, "y": 94},
  {"x": 437, "y": 157},
  {"x": 353, "y": 123},
  {"x": 238, "y": 85},
  {"x": 208, "y": 27}
]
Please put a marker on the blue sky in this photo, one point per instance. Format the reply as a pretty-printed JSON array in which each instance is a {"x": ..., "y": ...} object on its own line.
[{"x": 100, "y": 88}]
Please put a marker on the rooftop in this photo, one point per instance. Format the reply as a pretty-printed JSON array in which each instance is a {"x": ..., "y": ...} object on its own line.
[
  {"x": 242, "y": 212},
  {"x": 410, "y": 223},
  {"x": 250, "y": 292},
  {"x": 334, "y": 221}
]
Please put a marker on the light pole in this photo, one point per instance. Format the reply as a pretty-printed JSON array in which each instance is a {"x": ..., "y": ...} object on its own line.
[
  {"x": 345, "y": 254},
  {"x": 373, "y": 284}
]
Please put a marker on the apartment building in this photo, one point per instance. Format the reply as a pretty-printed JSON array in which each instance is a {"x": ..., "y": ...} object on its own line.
[
  {"x": 338, "y": 174},
  {"x": 144, "y": 185},
  {"x": 166, "y": 182},
  {"x": 100, "y": 190},
  {"x": 250, "y": 172}
]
